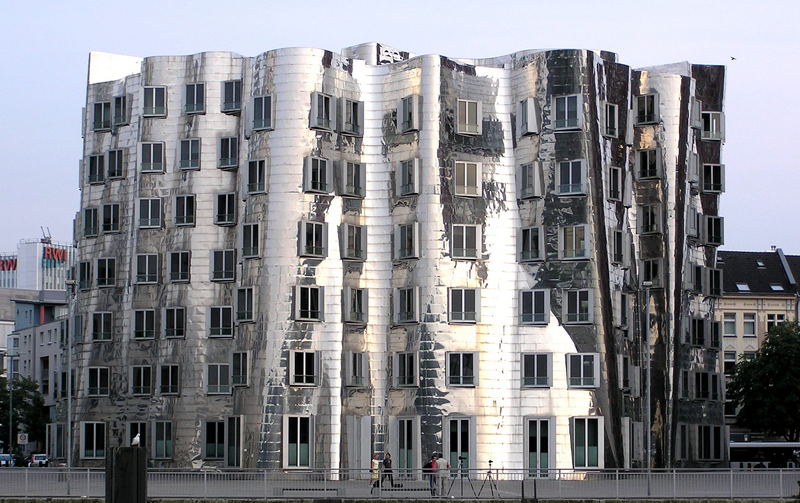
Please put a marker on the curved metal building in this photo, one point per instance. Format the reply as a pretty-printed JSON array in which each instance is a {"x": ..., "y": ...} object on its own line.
[{"x": 305, "y": 258}]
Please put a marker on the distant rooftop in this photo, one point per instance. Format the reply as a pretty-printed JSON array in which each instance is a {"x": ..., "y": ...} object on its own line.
[{"x": 761, "y": 273}]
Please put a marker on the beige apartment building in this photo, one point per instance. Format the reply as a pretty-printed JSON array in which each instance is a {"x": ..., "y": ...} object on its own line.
[{"x": 759, "y": 291}]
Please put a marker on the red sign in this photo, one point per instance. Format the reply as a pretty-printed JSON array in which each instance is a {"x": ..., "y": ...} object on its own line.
[
  {"x": 8, "y": 264},
  {"x": 59, "y": 254}
]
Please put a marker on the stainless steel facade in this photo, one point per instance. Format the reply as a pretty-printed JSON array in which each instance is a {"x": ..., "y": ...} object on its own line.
[{"x": 450, "y": 257}]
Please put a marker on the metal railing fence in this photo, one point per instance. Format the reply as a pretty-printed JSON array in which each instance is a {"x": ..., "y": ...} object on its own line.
[{"x": 414, "y": 484}]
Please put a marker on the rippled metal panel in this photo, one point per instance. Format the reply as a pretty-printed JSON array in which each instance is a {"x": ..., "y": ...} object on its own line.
[{"x": 497, "y": 408}]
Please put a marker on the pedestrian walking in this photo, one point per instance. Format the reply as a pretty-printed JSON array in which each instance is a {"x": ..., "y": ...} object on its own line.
[
  {"x": 429, "y": 470},
  {"x": 442, "y": 469},
  {"x": 387, "y": 469},
  {"x": 375, "y": 472}
]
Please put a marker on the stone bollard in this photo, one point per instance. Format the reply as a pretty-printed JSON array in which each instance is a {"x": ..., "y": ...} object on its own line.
[{"x": 126, "y": 475}]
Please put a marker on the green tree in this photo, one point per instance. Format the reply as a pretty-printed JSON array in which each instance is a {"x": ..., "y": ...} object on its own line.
[
  {"x": 767, "y": 388},
  {"x": 29, "y": 411}
]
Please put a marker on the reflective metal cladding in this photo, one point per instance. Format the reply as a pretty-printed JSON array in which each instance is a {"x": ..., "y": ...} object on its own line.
[{"x": 306, "y": 258}]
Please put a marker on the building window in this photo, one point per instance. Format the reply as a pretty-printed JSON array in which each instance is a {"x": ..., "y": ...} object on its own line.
[
  {"x": 250, "y": 240},
  {"x": 729, "y": 325},
  {"x": 465, "y": 240},
  {"x": 611, "y": 120},
  {"x": 110, "y": 218},
  {"x": 303, "y": 368},
  {"x": 408, "y": 114},
  {"x": 571, "y": 177},
  {"x": 352, "y": 117},
  {"x": 163, "y": 440},
  {"x": 321, "y": 112},
  {"x": 170, "y": 380},
  {"x": 714, "y": 231},
  {"x": 407, "y": 439},
  {"x": 647, "y": 164},
  {"x": 357, "y": 369},
  {"x": 137, "y": 428},
  {"x": 262, "y": 113},
  {"x": 228, "y": 153},
  {"x": 469, "y": 117},
  {"x": 226, "y": 209},
  {"x": 535, "y": 307},
  {"x": 583, "y": 370},
  {"x": 713, "y": 178},
  {"x": 713, "y": 126},
  {"x": 532, "y": 244},
  {"x": 706, "y": 386},
  {"x": 195, "y": 99},
  {"x": 90, "y": 222},
  {"x": 297, "y": 442},
  {"x": 355, "y": 305},
  {"x": 407, "y": 177},
  {"x": 749, "y": 324},
  {"x": 568, "y": 111},
  {"x": 647, "y": 109},
  {"x": 354, "y": 239},
  {"x": 316, "y": 175},
  {"x": 405, "y": 305},
  {"x": 709, "y": 442},
  {"x": 141, "y": 380},
  {"x": 174, "y": 322},
  {"x": 150, "y": 213},
  {"x": 773, "y": 320},
  {"x": 697, "y": 332},
  {"x": 578, "y": 306},
  {"x": 84, "y": 275},
  {"x": 98, "y": 381},
  {"x": 530, "y": 180},
  {"x": 462, "y": 369},
  {"x": 527, "y": 119},
  {"x": 742, "y": 286},
  {"x": 184, "y": 210},
  {"x": 220, "y": 321},
  {"x": 256, "y": 176},
  {"x": 147, "y": 268},
  {"x": 106, "y": 271},
  {"x": 353, "y": 177},
  {"x": 215, "y": 440},
  {"x": 144, "y": 324},
  {"x": 468, "y": 179},
  {"x": 155, "y": 102},
  {"x": 102, "y": 326},
  {"x": 116, "y": 163},
  {"x": 239, "y": 369},
  {"x": 97, "y": 170},
  {"x": 574, "y": 242},
  {"x": 308, "y": 303},
  {"x": 179, "y": 266},
  {"x": 715, "y": 282},
  {"x": 460, "y": 438},
  {"x": 152, "y": 158},
  {"x": 244, "y": 304},
  {"x": 313, "y": 239},
  {"x": 231, "y": 96},
  {"x": 223, "y": 265},
  {"x": 729, "y": 363},
  {"x": 406, "y": 239},
  {"x": 537, "y": 440},
  {"x": 536, "y": 370},
  {"x": 219, "y": 381},
  {"x": 615, "y": 183},
  {"x": 405, "y": 369},
  {"x": 651, "y": 271},
  {"x": 650, "y": 219},
  {"x": 102, "y": 116},
  {"x": 93, "y": 440},
  {"x": 618, "y": 249},
  {"x": 120, "y": 110},
  {"x": 587, "y": 445},
  {"x": 464, "y": 305}
]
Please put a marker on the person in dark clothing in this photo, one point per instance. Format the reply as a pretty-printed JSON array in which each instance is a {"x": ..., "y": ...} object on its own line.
[
  {"x": 387, "y": 470},
  {"x": 429, "y": 470}
]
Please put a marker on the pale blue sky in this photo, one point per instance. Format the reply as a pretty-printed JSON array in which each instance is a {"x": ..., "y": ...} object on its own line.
[{"x": 45, "y": 48}]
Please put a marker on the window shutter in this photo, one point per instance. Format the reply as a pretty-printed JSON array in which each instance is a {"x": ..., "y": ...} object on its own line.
[
  {"x": 339, "y": 107},
  {"x": 561, "y": 243},
  {"x": 629, "y": 118},
  {"x": 360, "y": 124},
  {"x": 324, "y": 239},
  {"x": 722, "y": 126},
  {"x": 321, "y": 303},
  {"x": 339, "y": 176},
  {"x": 396, "y": 245},
  {"x": 478, "y": 242},
  {"x": 694, "y": 168},
  {"x": 697, "y": 113},
  {"x": 301, "y": 238},
  {"x": 479, "y": 118},
  {"x": 348, "y": 365},
  {"x": 688, "y": 276},
  {"x": 522, "y": 128},
  {"x": 417, "y": 183},
  {"x": 656, "y": 111},
  {"x": 334, "y": 122},
  {"x": 342, "y": 232},
  {"x": 721, "y": 230},
  {"x": 722, "y": 178},
  {"x": 477, "y": 304},
  {"x": 627, "y": 191},
  {"x": 659, "y": 162},
  {"x": 394, "y": 365},
  {"x": 249, "y": 117},
  {"x": 533, "y": 116},
  {"x": 617, "y": 307},
  {"x": 362, "y": 179},
  {"x": 415, "y": 228},
  {"x": 580, "y": 111},
  {"x": 365, "y": 304},
  {"x": 416, "y": 112},
  {"x": 364, "y": 241},
  {"x": 596, "y": 366},
  {"x": 314, "y": 118},
  {"x": 329, "y": 168},
  {"x": 547, "y": 308},
  {"x": 306, "y": 173},
  {"x": 417, "y": 305},
  {"x": 398, "y": 178}
]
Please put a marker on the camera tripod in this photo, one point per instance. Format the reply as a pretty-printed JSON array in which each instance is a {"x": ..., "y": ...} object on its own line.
[
  {"x": 462, "y": 475},
  {"x": 492, "y": 482}
]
